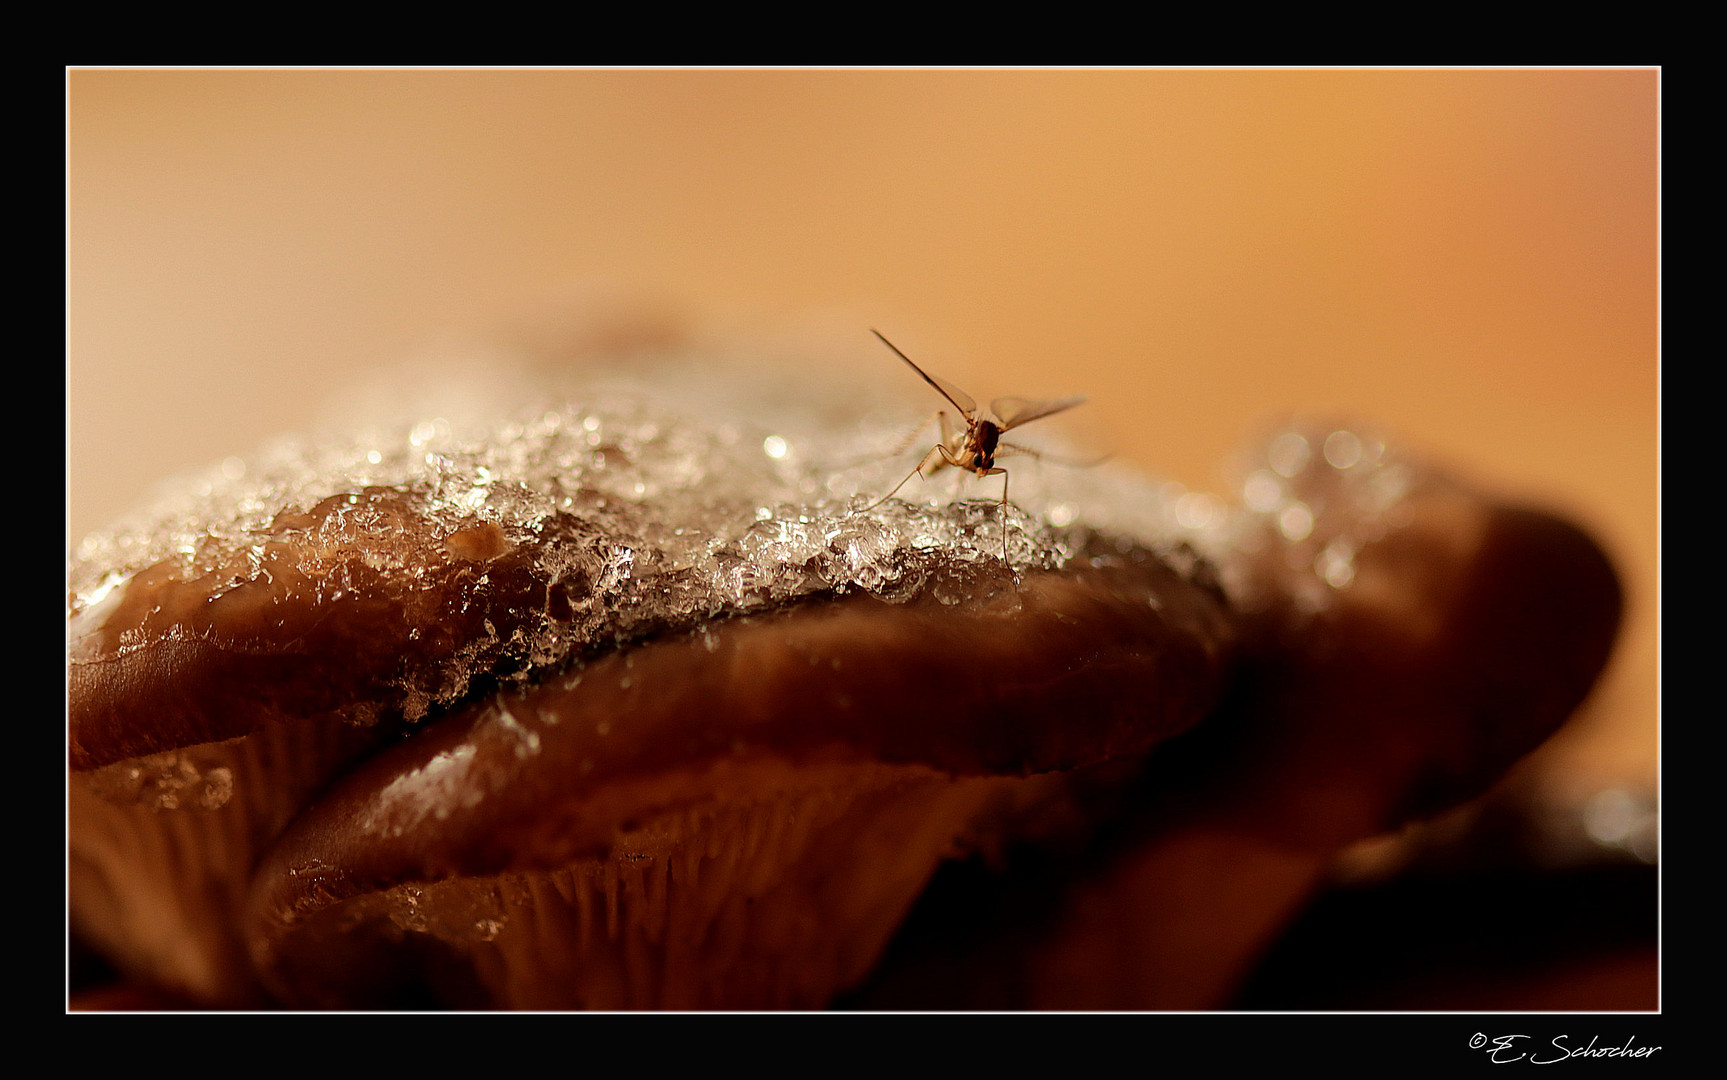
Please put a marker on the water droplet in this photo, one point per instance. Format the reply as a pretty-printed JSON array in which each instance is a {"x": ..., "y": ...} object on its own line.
[
  {"x": 1295, "y": 522},
  {"x": 1342, "y": 449},
  {"x": 1262, "y": 492}
]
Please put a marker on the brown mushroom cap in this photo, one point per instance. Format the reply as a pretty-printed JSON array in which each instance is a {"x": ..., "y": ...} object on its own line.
[
  {"x": 261, "y": 631},
  {"x": 613, "y": 703}
]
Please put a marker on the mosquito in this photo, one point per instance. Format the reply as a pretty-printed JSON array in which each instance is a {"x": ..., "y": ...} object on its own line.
[{"x": 974, "y": 446}]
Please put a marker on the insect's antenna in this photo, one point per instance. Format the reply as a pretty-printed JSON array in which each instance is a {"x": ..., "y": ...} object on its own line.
[
  {"x": 965, "y": 410},
  {"x": 1006, "y": 448},
  {"x": 900, "y": 447}
]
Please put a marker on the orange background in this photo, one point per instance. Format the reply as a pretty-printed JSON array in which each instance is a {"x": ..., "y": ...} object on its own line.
[{"x": 1467, "y": 257}]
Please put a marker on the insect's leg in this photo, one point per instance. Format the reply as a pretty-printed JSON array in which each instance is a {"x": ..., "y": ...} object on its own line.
[
  {"x": 911, "y": 437},
  {"x": 992, "y": 472},
  {"x": 943, "y": 458},
  {"x": 890, "y": 494},
  {"x": 915, "y": 472},
  {"x": 950, "y": 458},
  {"x": 941, "y": 451}
]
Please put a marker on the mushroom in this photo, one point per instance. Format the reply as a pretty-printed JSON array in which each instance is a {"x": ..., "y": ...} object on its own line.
[{"x": 624, "y": 696}]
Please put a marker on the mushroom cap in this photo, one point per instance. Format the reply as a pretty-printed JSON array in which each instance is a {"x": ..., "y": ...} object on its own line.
[
  {"x": 631, "y": 695},
  {"x": 581, "y": 613}
]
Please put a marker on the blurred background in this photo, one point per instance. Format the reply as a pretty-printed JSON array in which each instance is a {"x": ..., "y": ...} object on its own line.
[{"x": 1468, "y": 258}]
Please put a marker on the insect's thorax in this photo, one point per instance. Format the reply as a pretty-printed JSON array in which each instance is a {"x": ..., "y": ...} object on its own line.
[{"x": 980, "y": 444}]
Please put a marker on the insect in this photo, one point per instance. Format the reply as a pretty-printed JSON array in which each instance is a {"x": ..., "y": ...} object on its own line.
[{"x": 974, "y": 446}]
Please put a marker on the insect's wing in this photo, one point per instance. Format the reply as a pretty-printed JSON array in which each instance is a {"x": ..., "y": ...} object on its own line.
[
  {"x": 961, "y": 400},
  {"x": 950, "y": 436},
  {"x": 1011, "y": 412}
]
